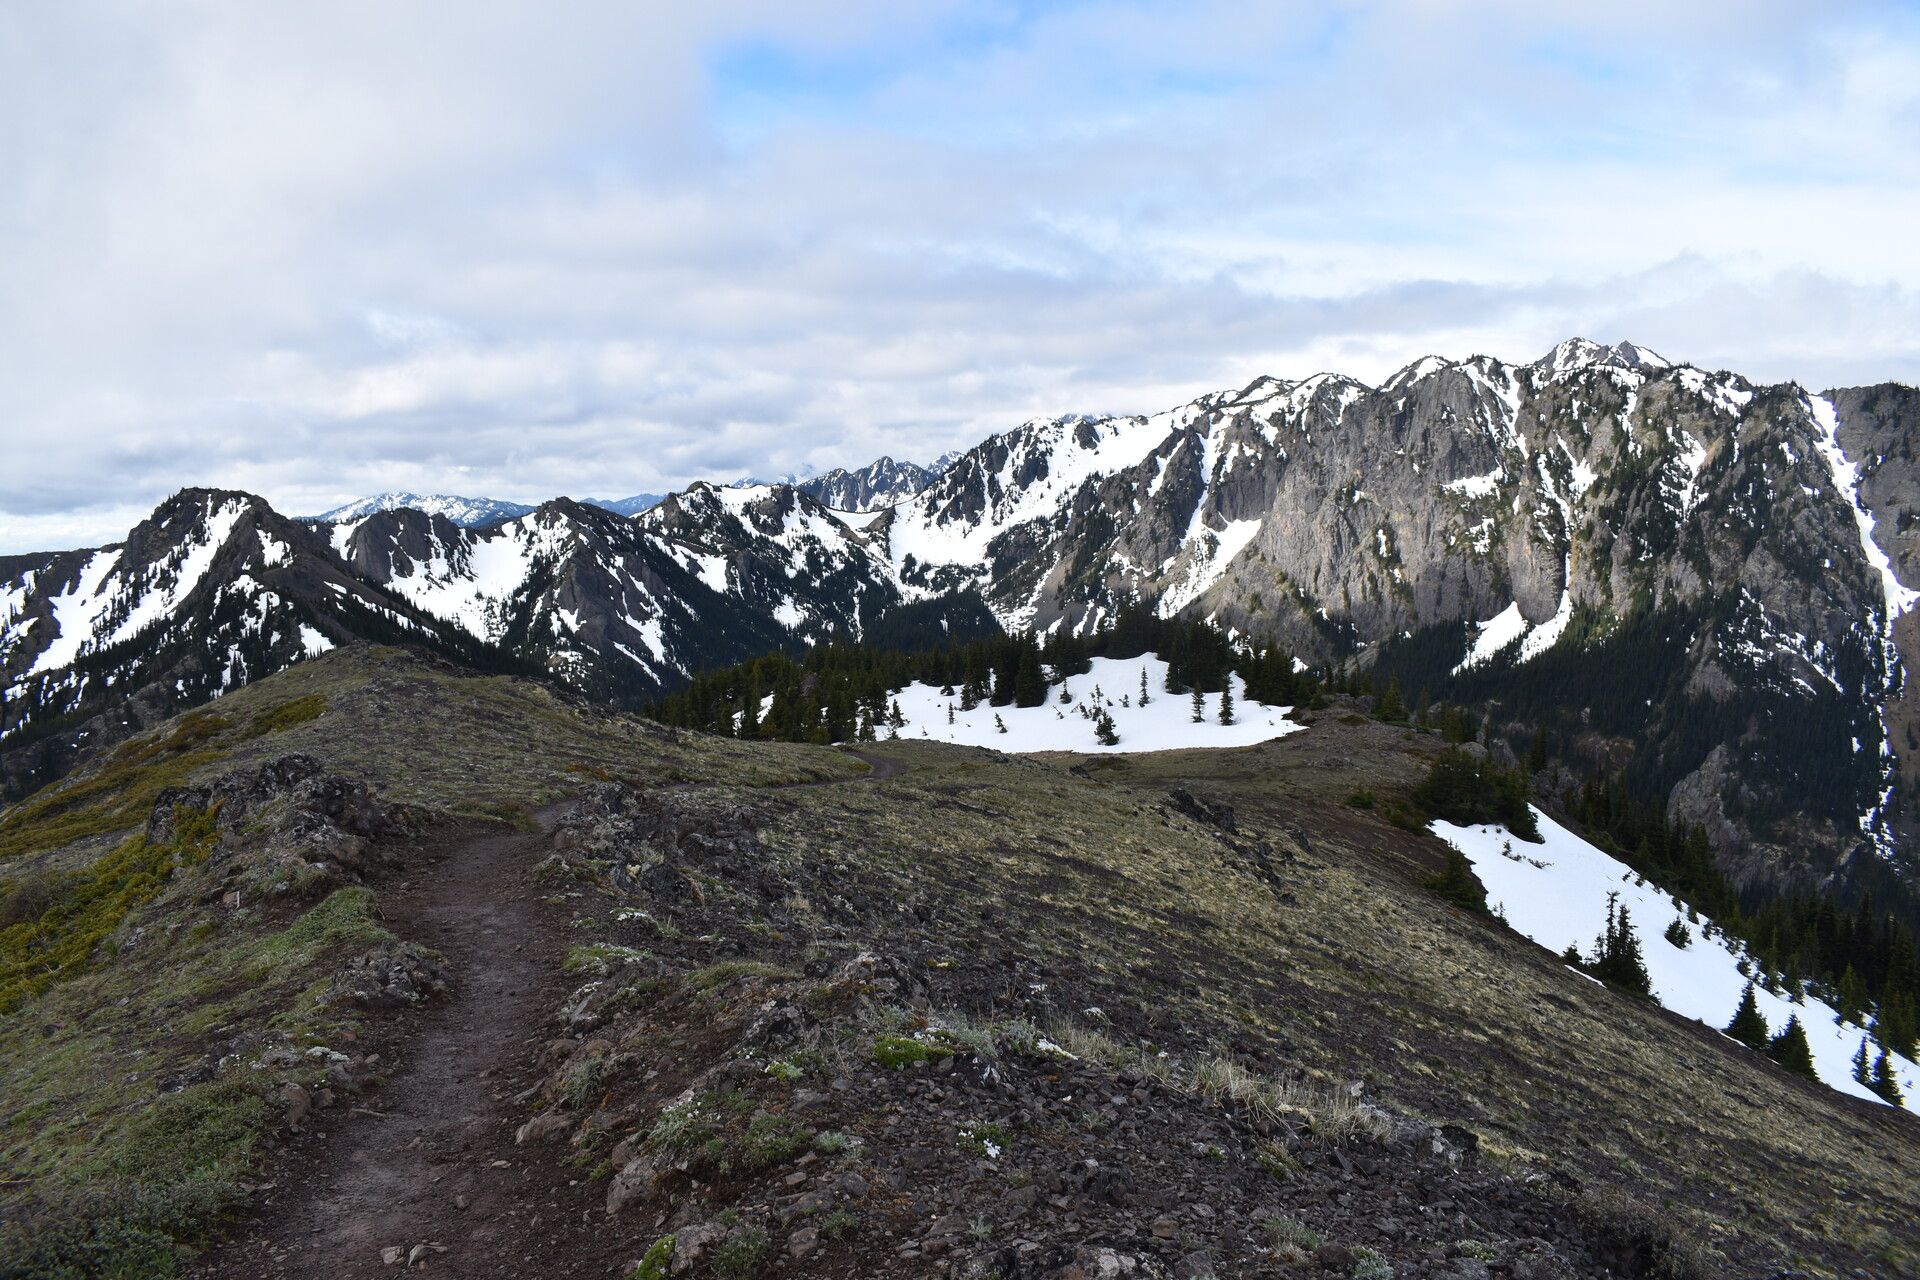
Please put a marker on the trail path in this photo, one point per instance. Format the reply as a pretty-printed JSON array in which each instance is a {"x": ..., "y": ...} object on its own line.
[{"x": 429, "y": 1158}]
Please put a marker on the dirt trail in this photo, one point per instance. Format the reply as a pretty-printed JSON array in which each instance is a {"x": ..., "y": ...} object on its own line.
[{"x": 429, "y": 1158}]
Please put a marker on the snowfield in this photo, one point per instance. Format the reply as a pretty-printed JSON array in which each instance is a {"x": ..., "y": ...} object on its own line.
[
  {"x": 1556, "y": 894},
  {"x": 1164, "y": 724}
]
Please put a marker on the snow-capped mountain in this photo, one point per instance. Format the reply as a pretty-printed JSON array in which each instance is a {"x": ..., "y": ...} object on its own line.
[
  {"x": 1549, "y": 535},
  {"x": 469, "y": 512},
  {"x": 210, "y": 591},
  {"x": 880, "y": 483},
  {"x": 632, "y": 506},
  {"x": 1676, "y": 574}
]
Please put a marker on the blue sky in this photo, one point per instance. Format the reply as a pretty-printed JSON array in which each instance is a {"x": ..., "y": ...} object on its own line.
[{"x": 604, "y": 247}]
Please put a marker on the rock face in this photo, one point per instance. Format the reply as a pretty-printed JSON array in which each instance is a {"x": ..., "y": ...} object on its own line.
[
  {"x": 881, "y": 483},
  {"x": 1665, "y": 560}
]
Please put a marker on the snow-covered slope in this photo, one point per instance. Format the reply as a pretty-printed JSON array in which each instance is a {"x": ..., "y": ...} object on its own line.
[
  {"x": 466, "y": 512},
  {"x": 1165, "y": 723},
  {"x": 1556, "y": 894}
]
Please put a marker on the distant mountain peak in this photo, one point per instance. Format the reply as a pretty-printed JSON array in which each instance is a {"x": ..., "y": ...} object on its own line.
[{"x": 469, "y": 513}]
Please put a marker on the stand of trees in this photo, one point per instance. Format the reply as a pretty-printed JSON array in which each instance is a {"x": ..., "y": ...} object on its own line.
[{"x": 843, "y": 692}]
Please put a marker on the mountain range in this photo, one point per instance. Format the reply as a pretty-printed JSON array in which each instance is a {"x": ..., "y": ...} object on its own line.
[{"x": 1680, "y": 577}]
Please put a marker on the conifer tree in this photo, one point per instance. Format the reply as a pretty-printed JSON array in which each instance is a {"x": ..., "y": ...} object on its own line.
[
  {"x": 1145, "y": 698},
  {"x": 1861, "y": 1072},
  {"x": 1749, "y": 1025},
  {"x": 1029, "y": 683},
  {"x": 1104, "y": 731},
  {"x": 1226, "y": 703},
  {"x": 1617, "y": 959},
  {"x": 1199, "y": 706},
  {"x": 1391, "y": 705},
  {"x": 1883, "y": 1082},
  {"x": 1790, "y": 1049},
  {"x": 999, "y": 724}
]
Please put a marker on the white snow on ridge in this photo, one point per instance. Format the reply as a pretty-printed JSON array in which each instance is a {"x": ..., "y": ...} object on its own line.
[
  {"x": 1493, "y": 635},
  {"x": 1164, "y": 724},
  {"x": 1563, "y": 902},
  {"x": 1846, "y": 478}
]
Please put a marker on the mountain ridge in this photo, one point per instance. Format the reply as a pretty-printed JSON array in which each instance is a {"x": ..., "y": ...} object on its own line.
[{"x": 1469, "y": 527}]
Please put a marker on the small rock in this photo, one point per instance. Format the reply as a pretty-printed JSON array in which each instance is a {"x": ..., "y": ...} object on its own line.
[
  {"x": 1195, "y": 1266},
  {"x": 393, "y": 1255},
  {"x": 1165, "y": 1228},
  {"x": 417, "y": 1255},
  {"x": 802, "y": 1243},
  {"x": 1334, "y": 1257},
  {"x": 542, "y": 1127}
]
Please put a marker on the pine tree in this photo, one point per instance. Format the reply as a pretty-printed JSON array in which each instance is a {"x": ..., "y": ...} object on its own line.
[
  {"x": 1391, "y": 705},
  {"x": 1103, "y": 730},
  {"x": 1749, "y": 1025},
  {"x": 1226, "y": 703},
  {"x": 1144, "y": 697},
  {"x": 949, "y": 713},
  {"x": 1617, "y": 959},
  {"x": 1883, "y": 1082},
  {"x": 1790, "y": 1049},
  {"x": 1861, "y": 1072},
  {"x": 1029, "y": 683},
  {"x": 999, "y": 724},
  {"x": 1199, "y": 706},
  {"x": 895, "y": 718}
]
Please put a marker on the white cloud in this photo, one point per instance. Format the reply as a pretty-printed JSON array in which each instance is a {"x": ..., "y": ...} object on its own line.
[{"x": 599, "y": 247}]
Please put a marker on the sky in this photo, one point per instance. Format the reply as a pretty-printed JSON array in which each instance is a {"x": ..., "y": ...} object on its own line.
[{"x": 519, "y": 250}]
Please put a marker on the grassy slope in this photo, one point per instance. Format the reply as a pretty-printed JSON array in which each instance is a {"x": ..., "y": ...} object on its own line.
[
  {"x": 1343, "y": 963},
  {"x": 179, "y": 989}
]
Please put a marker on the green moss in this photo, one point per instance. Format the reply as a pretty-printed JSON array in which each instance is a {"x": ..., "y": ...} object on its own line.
[
  {"x": 897, "y": 1051},
  {"x": 119, "y": 794},
  {"x": 35, "y": 954},
  {"x": 294, "y": 711},
  {"x": 728, "y": 972},
  {"x": 656, "y": 1263}
]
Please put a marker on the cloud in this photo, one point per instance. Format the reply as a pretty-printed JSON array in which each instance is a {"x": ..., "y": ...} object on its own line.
[{"x": 599, "y": 246}]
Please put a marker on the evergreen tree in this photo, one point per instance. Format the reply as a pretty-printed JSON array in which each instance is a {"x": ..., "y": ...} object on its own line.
[
  {"x": 1144, "y": 698},
  {"x": 1678, "y": 934},
  {"x": 1029, "y": 683},
  {"x": 999, "y": 724},
  {"x": 1226, "y": 704},
  {"x": 1790, "y": 1049},
  {"x": 1883, "y": 1082},
  {"x": 1391, "y": 705},
  {"x": 1457, "y": 883},
  {"x": 1861, "y": 1072},
  {"x": 1104, "y": 731},
  {"x": 1199, "y": 706},
  {"x": 1749, "y": 1025},
  {"x": 1617, "y": 959}
]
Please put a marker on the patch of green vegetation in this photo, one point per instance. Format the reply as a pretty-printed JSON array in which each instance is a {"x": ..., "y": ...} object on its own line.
[
  {"x": 1457, "y": 884},
  {"x": 897, "y": 1051},
  {"x": 832, "y": 1142},
  {"x": 985, "y": 1139},
  {"x": 294, "y": 711},
  {"x": 727, "y": 972},
  {"x": 839, "y": 1223},
  {"x": 742, "y": 1255},
  {"x": 598, "y": 959},
  {"x": 62, "y": 941},
  {"x": 117, "y": 1173},
  {"x": 1283, "y": 1230},
  {"x": 116, "y": 795},
  {"x": 656, "y": 1263},
  {"x": 773, "y": 1139},
  {"x": 1369, "y": 1265},
  {"x": 507, "y": 813}
]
